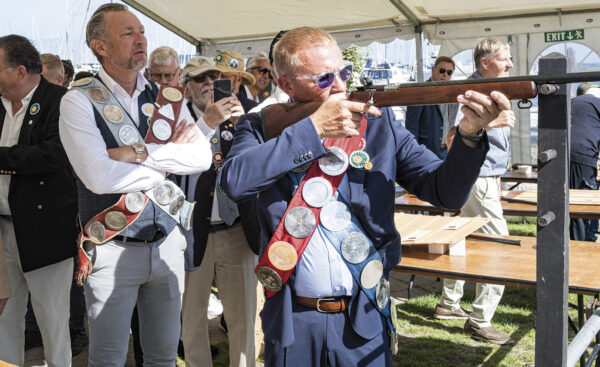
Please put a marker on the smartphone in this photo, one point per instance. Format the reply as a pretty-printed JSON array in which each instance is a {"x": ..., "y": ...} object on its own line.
[{"x": 222, "y": 88}]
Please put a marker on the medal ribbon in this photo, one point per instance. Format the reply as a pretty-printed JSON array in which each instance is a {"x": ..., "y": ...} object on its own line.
[
  {"x": 281, "y": 234},
  {"x": 162, "y": 101}
]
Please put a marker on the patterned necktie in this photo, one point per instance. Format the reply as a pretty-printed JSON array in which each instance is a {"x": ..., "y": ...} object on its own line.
[{"x": 228, "y": 210}]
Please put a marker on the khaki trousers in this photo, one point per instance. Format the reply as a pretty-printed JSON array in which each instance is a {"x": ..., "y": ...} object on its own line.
[
  {"x": 484, "y": 201},
  {"x": 50, "y": 288},
  {"x": 230, "y": 262}
]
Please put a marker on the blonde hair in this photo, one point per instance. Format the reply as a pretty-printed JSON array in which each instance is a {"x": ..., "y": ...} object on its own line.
[
  {"x": 53, "y": 64},
  {"x": 286, "y": 50},
  {"x": 96, "y": 28},
  {"x": 487, "y": 47},
  {"x": 164, "y": 56}
]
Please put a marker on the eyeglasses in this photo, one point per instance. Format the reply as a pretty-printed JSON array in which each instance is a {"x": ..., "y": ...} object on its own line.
[
  {"x": 449, "y": 72},
  {"x": 158, "y": 76},
  {"x": 325, "y": 79},
  {"x": 212, "y": 74},
  {"x": 261, "y": 69}
]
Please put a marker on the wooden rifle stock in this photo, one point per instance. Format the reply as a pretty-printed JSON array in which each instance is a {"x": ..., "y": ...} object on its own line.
[{"x": 275, "y": 118}]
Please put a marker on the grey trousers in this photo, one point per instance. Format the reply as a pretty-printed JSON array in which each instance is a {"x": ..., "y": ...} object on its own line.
[
  {"x": 484, "y": 201},
  {"x": 124, "y": 274},
  {"x": 50, "y": 288}
]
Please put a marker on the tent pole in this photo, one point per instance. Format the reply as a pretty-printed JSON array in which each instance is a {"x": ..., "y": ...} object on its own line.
[{"x": 419, "y": 51}]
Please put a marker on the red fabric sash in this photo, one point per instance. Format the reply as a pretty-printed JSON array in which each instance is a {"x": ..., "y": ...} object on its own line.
[{"x": 348, "y": 145}]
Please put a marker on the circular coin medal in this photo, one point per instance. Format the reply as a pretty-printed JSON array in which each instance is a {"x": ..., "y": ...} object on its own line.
[
  {"x": 96, "y": 231},
  {"x": 218, "y": 157},
  {"x": 176, "y": 205},
  {"x": 302, "y": 168},
  {"x": 317, "y": 191},
  {"x": 368, "y": 165},
  {"x": 164, "y": 193},
  {"x": 371, "y": 273},
  {"x": 300, "y": 222},
  {"x": 113, "y": 113},
  {"x": 335, "y": 162},
  {"x": 269, "y": 279},
  {"x": 226, "y": 135},
  {"x": 214, "y": 140},
  {"x": 115, "y": 220},
  {"x": 172, "y": 94},
  {"x": 161, "y": 130},
  {"x": 355, "y": 248},
  {"x": 128, "y": 135},
  {"x": 282, "y": 255},
  {"x": 134, "y": 202},
  {"x": 382, "y": 294},
  {"x": 83, "y": 81},
  {"x": 98, "y": 94},
  {"x": 335, "y": 216},
  {"x": 358, "y": 158}
]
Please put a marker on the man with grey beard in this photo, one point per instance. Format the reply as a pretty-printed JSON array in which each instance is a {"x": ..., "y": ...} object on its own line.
[{"x": 132, "y": 243}]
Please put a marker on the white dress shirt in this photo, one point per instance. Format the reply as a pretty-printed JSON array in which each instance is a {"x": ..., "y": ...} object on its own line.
[
  {"x": 10, "y": 136},
  {"x": 278, "y": 96},
  {"x": 87, "y": 152},
  {"x": 208, "y": 134}
]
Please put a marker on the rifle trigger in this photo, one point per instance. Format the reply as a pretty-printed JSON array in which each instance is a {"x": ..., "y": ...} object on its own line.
[
  {"x": 371, "y": 100},
  {"x": 524, "y": 104}
]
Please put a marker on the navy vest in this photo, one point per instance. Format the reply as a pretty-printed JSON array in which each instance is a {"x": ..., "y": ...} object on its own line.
[{"x": 152, "y": 219}]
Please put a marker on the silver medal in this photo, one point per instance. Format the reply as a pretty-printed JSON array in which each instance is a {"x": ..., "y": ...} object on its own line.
[
  {"x": 371, "y": 273},
  {"x": 163, "y": 193},
  {"x": 161, "y": 130},
  {"x": 226, "y": 135},
  {"x": 335, "y": 216},
  {"x": 134, "y": 202},
  {"x": 115, "y": 220},
  {"x": 269, "y": 279},
  {"x": 176, "y": 205},
  {"x": 300, "y": 222},
  {"x": 113, "y": 113},
  {"x": 317, "y": 191},
  {"x": 98, "y": 94},
  {"x": 128, "y": 135},
  {"x": 382, "y": 294},
  {"x": 355, "y": 248},
  {"x": 97, "y": 231},
  {"x": 335, "y": 162}
]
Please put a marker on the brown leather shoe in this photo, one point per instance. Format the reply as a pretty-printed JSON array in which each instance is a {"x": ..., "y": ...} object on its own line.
[
  {"x": 488, "y": 334},
  {"x": 443, "y": 313}
]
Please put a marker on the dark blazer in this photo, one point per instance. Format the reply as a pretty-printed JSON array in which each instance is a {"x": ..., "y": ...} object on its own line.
[
  {"x": 255, "y": 167},
  {"x": 585, "y": 129},
  {"x": 42, "y": 194},
  {"x": 426, "y": 124},
  {"x": 203, "y": 195}
]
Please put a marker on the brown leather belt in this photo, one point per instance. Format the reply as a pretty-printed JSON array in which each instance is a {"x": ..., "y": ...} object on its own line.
[{"x": 326, "y": 305}]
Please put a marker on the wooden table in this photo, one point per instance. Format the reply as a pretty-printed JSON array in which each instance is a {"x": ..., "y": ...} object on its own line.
[
  {"x": 504, "y": 264},
  {"x": 410, "y": 202},
  {"x": 513, "y": 175}
]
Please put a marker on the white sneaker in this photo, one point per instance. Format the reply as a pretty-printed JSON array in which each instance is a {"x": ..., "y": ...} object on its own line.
[{"x": 215, "y": 308}]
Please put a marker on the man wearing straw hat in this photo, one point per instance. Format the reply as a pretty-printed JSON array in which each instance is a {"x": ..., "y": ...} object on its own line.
[{"x": 231, "y": 64}]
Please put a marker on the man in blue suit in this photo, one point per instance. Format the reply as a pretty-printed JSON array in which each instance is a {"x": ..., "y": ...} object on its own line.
[
  {"x": 322, "y": 315},
  {"x": 430, "y": 124}
]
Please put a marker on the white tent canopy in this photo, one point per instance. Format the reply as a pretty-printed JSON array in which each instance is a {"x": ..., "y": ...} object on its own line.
[{"x": 457, "y": 25}]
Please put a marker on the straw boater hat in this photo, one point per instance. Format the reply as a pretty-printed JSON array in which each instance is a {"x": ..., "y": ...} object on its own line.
[
  {"x": 233, "y": 63},
  {"x": 198, "y": 65}
]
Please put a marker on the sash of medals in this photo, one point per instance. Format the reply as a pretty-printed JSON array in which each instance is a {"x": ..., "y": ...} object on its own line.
[
  {"x": 166, "y": 195},
  {"x": 316, "y": 202}
]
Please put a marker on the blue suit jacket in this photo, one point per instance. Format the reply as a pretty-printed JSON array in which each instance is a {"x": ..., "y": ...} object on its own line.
[
  {"x": 254, "y": 166},
  {"x": 427, "y": 125}
]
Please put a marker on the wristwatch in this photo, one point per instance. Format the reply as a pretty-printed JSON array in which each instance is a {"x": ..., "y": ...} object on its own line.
[
  {"x": 474, "y": 138},
  {"x": 139, "y": 150}
]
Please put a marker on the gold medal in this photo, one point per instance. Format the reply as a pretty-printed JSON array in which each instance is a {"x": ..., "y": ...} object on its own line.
[
  {"x": 83, "y": 81},
  {"x": 98, "y": 94},
  {"x": 113, "y": 113},
  {"x": 172, "y": 94},
  {"x": 282, "y": 255}
]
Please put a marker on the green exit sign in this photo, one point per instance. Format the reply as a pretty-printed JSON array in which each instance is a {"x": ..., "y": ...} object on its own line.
[{"x": 563, "y": 36}]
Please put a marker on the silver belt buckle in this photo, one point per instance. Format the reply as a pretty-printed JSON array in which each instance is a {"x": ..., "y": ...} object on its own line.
[{"x": 326, "y": 300}]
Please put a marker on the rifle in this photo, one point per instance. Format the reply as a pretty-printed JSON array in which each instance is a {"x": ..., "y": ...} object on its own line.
[{"x": 277, "y": 117}]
